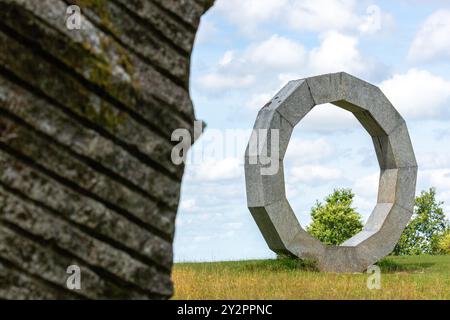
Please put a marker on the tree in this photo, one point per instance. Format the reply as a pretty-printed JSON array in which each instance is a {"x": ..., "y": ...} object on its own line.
[
  {"x": 426, "y": 228},
  {"x": 444, "y": 243},
  {"x": 336, "y": 220}
]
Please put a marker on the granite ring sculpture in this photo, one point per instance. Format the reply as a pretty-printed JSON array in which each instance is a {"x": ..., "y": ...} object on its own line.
[{"x": 266, "y": 197}]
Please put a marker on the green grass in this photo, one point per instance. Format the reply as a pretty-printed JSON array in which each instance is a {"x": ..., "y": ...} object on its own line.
[{"x": 412, "y": 277}]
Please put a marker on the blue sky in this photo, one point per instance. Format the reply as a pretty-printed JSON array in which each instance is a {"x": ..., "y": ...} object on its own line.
[{"x": 246, "y": 50}]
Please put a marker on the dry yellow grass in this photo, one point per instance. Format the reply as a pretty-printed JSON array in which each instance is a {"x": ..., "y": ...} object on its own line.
[{"x": 421, "y": 277}]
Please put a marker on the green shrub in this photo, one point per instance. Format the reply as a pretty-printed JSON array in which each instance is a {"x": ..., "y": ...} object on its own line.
[{"x": 336, "y": 220}]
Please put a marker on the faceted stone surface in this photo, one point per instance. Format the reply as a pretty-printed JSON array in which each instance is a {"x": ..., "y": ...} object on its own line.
[
  {"x": 266, "y": 197},
  {"x": 86, "y": 118}
]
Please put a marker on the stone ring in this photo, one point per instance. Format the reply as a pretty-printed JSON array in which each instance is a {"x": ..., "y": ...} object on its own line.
[{"x": 266, "y": 196}]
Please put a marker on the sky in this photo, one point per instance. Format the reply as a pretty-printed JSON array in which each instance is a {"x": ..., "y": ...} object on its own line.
[{"x": 247, "y": 50}]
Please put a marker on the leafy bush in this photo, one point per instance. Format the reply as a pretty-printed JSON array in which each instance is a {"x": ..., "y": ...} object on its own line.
[{"x": 336, "y": 220}]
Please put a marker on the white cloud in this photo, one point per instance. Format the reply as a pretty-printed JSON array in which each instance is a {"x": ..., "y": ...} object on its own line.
[
  {"x": 305, "y": 15},
  {"x": 188, "y": 205},
  {"x": 216, "y": 170},
  {"x": 258, "y": 100},
  {"x": 339, "y": 52},
  {"x": 227, "y": 58},
  {"x": 375, "y": 21},
  {"x": 234, "y": 225},
  {"x": 321, "y": 15},
  {"x": 336, "y": 15},
  {"x": 207, "y": 31},
  {"x": 444, "y": 197},
  {"x": 363, "y": 205},
  {"x": 202, "y": 238},
  {"x": 418, "y": 94},
  {"x": 249, "y": 14},
  {"x": 306, "y": 151},
  {"x": 367, "y": 185},
  {"x": 257, "y": 65},
  {"x": 434, "y": 160},
  {"x": 279, "y": 53},
  {"x": 292, "y": 190},
  {"x": 372, "y": 22},
  {"x": 314, "y": 174},
  {"x": 218, "y": 81},
  {"x": 328, "y": 118},
  {"x": 432, "y": 42},
  {"x": 267, "y": 65},
  {"x": 439, "y": 178}
]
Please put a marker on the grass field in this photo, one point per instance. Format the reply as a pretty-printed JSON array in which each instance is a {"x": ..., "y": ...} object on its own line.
[{"x": 417, "y": 277}]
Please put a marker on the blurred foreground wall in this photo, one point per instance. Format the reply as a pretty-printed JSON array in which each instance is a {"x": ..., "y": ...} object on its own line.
[{"x": 86, "y": 117}]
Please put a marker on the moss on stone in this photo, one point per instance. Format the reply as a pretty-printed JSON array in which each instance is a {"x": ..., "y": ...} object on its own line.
[{"x": 101, "y": 9}]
